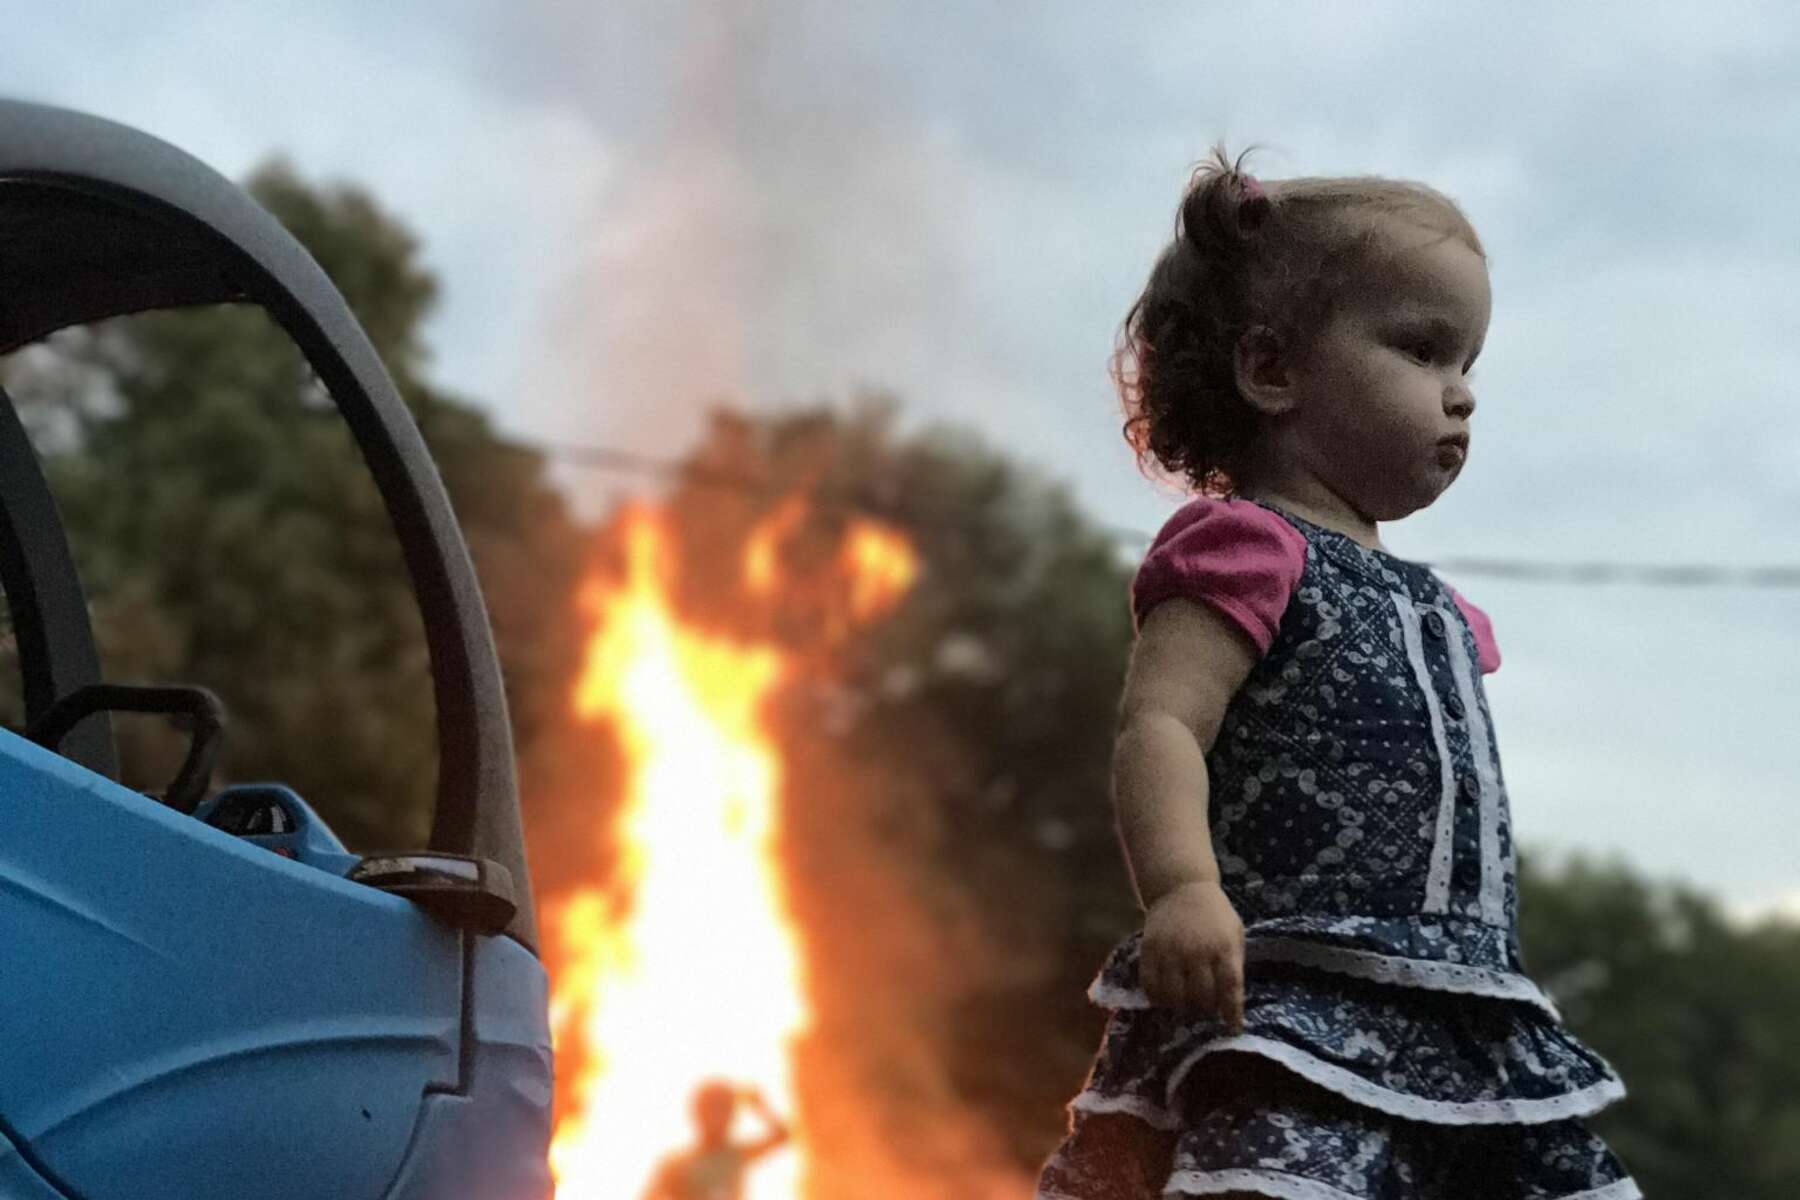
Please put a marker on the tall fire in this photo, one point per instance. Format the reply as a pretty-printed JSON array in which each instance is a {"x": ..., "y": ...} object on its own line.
[{"x": 687, "y": 966}]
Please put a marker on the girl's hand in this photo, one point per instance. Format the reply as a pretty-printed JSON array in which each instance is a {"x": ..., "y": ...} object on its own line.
[{"x": 1193, "y": 953}]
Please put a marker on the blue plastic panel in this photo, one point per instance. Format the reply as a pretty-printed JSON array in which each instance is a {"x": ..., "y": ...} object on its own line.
[
  {"x": 494, "y": 1139},
  {"x": 187, "y": 1015},
  {"x": 19, "y": 1180}
]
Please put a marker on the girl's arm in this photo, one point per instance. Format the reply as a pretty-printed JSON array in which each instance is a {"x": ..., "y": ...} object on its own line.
[{"x": 1187, "y": 664}]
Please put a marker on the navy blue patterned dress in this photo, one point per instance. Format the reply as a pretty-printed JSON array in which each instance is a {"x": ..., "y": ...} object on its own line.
[{"x": 1393, "y": 1048}]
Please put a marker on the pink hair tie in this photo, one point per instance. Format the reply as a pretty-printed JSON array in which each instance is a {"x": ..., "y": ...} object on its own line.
[{"x": 1253, "y": 203}]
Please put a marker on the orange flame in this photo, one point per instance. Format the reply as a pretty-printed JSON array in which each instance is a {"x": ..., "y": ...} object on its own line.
[
  {"x": 881, "y": 567},
  {"x": 688, "y": 967}
]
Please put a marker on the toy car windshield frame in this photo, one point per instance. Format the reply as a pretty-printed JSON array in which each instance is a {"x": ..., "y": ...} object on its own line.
[{"x": 100, "y": 220}]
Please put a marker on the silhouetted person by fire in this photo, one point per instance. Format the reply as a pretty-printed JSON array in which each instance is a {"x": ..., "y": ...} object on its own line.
[{"x": 713, "y": 1168}]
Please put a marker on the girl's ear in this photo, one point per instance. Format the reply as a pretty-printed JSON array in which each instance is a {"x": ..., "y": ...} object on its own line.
[{"x": 1265, "y": 377}]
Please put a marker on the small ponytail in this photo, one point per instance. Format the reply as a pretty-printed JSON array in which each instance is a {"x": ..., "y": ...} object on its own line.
[{"x": 1224, "y": 205}]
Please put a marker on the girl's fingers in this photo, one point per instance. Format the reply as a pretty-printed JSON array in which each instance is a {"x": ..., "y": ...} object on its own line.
[
  {"x": 1197, "y": 977},
  {"x": 1228, "y": 976},
  {"x": 1174, "y": 989},
  {"x": 1151, "y": 975},
  {"x": 1211, "y": 982}
]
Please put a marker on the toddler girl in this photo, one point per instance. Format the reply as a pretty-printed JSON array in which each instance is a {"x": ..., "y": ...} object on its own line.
[{"x": 1326, "y": 1001}]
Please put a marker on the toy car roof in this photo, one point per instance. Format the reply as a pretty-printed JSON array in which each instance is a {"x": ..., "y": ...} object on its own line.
[{"x": 99, "y": 220}]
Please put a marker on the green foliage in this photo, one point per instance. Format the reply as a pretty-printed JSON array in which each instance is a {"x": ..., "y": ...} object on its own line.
[
  {"x": 995, "y": 688},
  {"x": 1696, "y": 1012},
  {"x": 228, "y": 534}
]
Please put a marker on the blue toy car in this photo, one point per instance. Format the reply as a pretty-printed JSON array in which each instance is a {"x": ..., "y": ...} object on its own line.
[{"x": 207, "y": 997}]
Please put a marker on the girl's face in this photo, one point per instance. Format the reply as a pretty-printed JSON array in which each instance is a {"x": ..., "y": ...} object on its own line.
[{"x": 1383, "y": 395}]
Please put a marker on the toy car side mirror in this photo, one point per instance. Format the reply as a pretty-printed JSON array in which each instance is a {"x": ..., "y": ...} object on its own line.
[{"x": 467, "y": 893}]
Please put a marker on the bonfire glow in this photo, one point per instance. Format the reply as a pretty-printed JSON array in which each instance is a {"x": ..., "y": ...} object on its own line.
[
  {"x": 686, "y": 965},
  {"x": 881, "y": 567}
]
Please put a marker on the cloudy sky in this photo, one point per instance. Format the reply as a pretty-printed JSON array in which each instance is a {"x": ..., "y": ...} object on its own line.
[{"x": 640, "y": 206}]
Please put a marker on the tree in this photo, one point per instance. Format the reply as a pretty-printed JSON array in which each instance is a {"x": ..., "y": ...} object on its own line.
[{"x": 1695, "y": 1012}]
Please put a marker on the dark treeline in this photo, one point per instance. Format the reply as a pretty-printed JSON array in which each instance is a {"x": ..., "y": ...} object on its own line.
[{"x": 950, "y": 838}]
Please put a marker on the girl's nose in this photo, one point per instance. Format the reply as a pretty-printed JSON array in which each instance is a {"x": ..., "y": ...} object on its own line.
[{"x": 1459, "y": 401}]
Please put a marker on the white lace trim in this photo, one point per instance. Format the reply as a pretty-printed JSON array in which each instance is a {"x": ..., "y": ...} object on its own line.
[
  {"x": 1153, "y": 1115},
  {"x": 1492, "y": 895},
  {"x": 1437, "y": 878},
  {"x": 1618, "y": 1189},
  {"x": 1358, "y": 1090},
  {"x": 1111, "y": 995},
  {"x": 1248, "y": 1179},
  {"x": 1293, "y": 1187},
  {"x": 1363, "y": 964},
  {"x": 1428, "y": 974}
]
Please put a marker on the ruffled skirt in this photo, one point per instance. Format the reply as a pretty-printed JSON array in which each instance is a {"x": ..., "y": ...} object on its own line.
[{"x": 1340, "y": 1087}]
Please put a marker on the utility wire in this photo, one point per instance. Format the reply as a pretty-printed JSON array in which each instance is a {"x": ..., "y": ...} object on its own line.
[{"x": 1581, "y": 574}]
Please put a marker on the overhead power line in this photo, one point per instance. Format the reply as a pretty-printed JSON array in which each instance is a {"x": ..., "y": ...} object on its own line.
[
  {"x": 1580, "y": 574},
  {"x": 1670, "y": 575}
]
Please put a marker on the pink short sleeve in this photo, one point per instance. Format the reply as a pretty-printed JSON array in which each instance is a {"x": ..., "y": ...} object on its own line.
[
  {"x": 1235, "y": 556},
  {"x": 1483, "y": 629}
]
